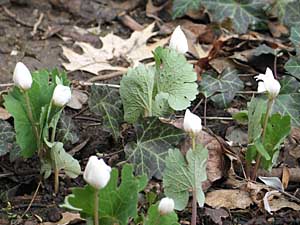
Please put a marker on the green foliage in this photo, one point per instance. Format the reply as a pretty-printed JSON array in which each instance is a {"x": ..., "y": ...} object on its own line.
[
  {"x": 66, "y": 131},
  {"x": 279, "y": 8},
  {"x": 184, "y": 174},
  {"x": 242, "y": 13},
  {"x": 293, "y": 66},
  {"x": 289, "y": 85},
  {"x": 221, "y": 89},
  {"x": 292, "y": 17},
  {"x": 155, "y": 218},
  {"x": 149, "y": 151},
  {"x": 148, "y": 91},
  {"x": 295, "y": 38},
  {"x": 180, "y": 7},
  {"x": 106, "y": 102},
  {"x": 7, "y": 138},
  {"x": 263, "y": 49},
  {"x": 117, "y": 203}
]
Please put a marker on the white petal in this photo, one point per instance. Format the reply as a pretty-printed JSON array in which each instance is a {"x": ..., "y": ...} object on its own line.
[
  {"x": 178, "y": 41},
  {"x": 261, "y": 87},
  {"x": 22, "y": 76},
  {"x": 61, "y": 95},
  {"x": 166, "y": 205},
  {"x": 192, "y": 122}
]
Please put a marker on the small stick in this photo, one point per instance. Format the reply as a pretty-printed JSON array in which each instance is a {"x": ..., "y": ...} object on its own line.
[
  {"x": 37, "y": 24},
  {"x": 33, "y": 197},
  {"x": 7, "y": 85},
  {"x": 98, "y": 84},
  {"x": 107, "y": 76},
  {"x": 217, "y": 118}
]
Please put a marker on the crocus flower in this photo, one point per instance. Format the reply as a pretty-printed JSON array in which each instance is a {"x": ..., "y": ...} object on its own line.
[
  {"x": 96, "y": 173},
  {"x": 22, "y": 76},
  {"x": 191, "y": 123},
  {"x": 267, "y": 83},
  {"x": 178, "y": 41},
  {"x": 61, "y": 95},
  {"x": 166, "y": 205}
]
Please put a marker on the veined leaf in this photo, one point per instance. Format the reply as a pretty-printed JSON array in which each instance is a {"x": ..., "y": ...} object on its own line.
[
  {"x": 106, "y": 102},
  {"x": 292, "y": 18},
  {"x": 151, "y": 147},
  {"x": 180, "y": 7},
  {"x": 66, "y": 131},
  {"x": 117, "y": 203},
  {"x": 289, "y": 85},
  {"x": 293, "y": 66},
  {"x": 226, "y": 86},
  {"x": 279, "y": 7},
  {"x": 7, "y": 138},
  {"x": 295, "y": 38},
  {"x": 242, "y": 13},
  {"x": 185, "y": 174}
]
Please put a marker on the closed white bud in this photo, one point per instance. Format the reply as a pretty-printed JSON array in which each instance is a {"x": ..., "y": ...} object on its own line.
[
  {"x": 178, "y": 41},
  {"x": 267, "y": 83},
  {"x": 61, "y": 95},
  {"x": 166, "y": 205},
  {"x": 97, "y": 173},
  {"x": 192, "y": 123},
  {"x": 22, "y": 76}
]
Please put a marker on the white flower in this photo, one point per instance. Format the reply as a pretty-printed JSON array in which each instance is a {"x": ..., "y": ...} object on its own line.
[
  {"x": 191, "y": 122},
  {"x": 61, "y": 95},
  {"x": 22, "y": 76},
  {"x": 267, "y": 82},
  {"x": 166, "y": 205},
  {"x": 178, "y": 41},
  {"x": 96, "y": 173}
]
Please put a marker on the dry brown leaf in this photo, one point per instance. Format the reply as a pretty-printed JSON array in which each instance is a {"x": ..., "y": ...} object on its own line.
[
  {"x": 78, "y": 99},
  {"x": 230, "y": 199},
  {"x": 277, "y": 201},
  {"x": 94, "y": 60},
  {"x": 285, "y": 177},
  {"x": 4, "y": 114},
  {"x": 216, "y": 215},
  {"x": 67, "y": 217}
]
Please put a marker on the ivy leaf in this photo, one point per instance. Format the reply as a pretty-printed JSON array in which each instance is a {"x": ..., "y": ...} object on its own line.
[
  {"x": 278, "y": 128},
  {"x": 289, "y": 104},
  {"x": 292, "y": 18},
  {"x": 295, "y": 38},
  {"x": 293, "y": 66},
  {"x": 151, "y": 147},
  {"x": 289, "y": 85},
  {"x": 7, "y": 138},
  {"x": 106, "y": 102},
  {"x": 63, "y": 160},
  {"x": 180, "y": 7},
  {"x": 175, "y": 77},
  {"x": 280, "y": 8},
  {"x": 154, "y": 217},
  {"x": 241, "y": 13},
  {"x": 117, "y": 203},
  {"x": 66, "y": 131},
  {"x": 185, "y": 174},
  {"x": 226, "y": 86},
  {"x": 263, "y": 49},
  {"x": 136, "y": 91}
]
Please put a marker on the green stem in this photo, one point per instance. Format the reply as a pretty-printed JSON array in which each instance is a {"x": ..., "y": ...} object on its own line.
[
  {"x": 194, "y": 200},
  {"x": 258, "y": 158},
  {"x": 193, "y": 136},
  {"x": 96, "y": 207}
]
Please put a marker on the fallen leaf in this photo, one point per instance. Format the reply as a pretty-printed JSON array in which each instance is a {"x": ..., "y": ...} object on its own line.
[
  {"x": 78, "y": 99},
  {"x": 216, "y": 215},
  {"x": 4, "y": 114},
  {"x": 237, "y": 135},
  {"x": 94, "y": 60},
  {"x": 273, "y": 182},
  {"x": 67, "y": 218},
  {"x": 230, "y": 199},
  {"x": 285, "y": 177}
]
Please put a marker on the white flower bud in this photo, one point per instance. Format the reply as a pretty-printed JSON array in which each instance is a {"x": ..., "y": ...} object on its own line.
[
  {"x": 166, "y": 205},
  {"x": 191, "y": 123},
  {"x": 96, "y": 173},
  {"x": 61, "y": 95},
  {"x": 267, "y": 82},
  {"x": 22, "y": 76},
  {"x": 178, "y": 41}
]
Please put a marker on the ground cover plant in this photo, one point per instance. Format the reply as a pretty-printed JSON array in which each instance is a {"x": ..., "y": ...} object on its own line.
[{"x": 149, "y": 112}]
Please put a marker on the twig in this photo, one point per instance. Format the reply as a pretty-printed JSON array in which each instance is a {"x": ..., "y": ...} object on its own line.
[
  {"x": 32, "y": 200},
  {"x": 36, "y": 25},
  {"x": 217, "y": 118},
  {"x": 83, "y": 83},
  {"x": 6, "y": 175},
  {"x": 7, "y": 85},
  {"x": 77, "y": 148},
  {"x": 107, "y": 76},
  {"x": 197, "y": 106},
  {"x": 87, "y": 118},
  {"x": 205, "y": 110}
]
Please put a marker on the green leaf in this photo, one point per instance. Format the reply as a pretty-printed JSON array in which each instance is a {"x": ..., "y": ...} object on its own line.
[
  {"x": 224, "y": 87},
  {"x": 278, "y": 129},
  {"x": 64, "y": 160},
  {"x": 279, "y": 7},
  {"x": 7, "y": 138},
  {"x": 66, "y": 131},
  {"x": 293, "y": 66},
  {"x": 261, "y": 150},
  {"x": 242, "y": 13},
  {"x": 263, "y": 49},
  {"x": 289, "y": 85},
  {"x": 136, "y": 91},
  {"x": 180, "y": 7},
  {"x": 292, "y": 18},
  {"x": 241, "y": 117},
  {"x": 106, "y": 102},
  {"x": 117, "y": 203},
  {"x": 175, "y": 77},
  {"x": 295, "y": 38},
  {"x": 185, "y": 174},
  {"x": 148, "y": 152},
  {"x": 289, "y": 104},
  {"x": 154, "y": 217}
]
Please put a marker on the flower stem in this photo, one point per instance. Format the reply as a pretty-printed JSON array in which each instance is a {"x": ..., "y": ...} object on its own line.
[
  {"x": 96, "y": 207},
  {"x": 258, "y": 158},
  {"x": 193, "y": 136},
  {"x": 194, "y": 201}
]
